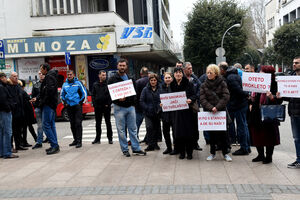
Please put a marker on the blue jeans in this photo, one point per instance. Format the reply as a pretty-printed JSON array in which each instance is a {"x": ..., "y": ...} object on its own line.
[
  {"x": 125, "y": 117},
  {"x": 243, "y": 136},
  {"x": 5, "y": 133},
  {"x": 139, "y": 121},
  {"x": 48, "y": 118},
  {"x": 295, "y": 122},
  {"x": 38, "y": 115}
]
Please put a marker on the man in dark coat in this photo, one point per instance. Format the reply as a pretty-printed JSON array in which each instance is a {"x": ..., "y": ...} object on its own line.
[
  {"x": 16, "y": 92},
  {"x": 5, "y": 119},
  {"x": 102, "y": 104},
  {"x": 124, "y": 113},
  {"x": 140, "y": 84},
  {"x": 237, "y": 108},
  {"x": 48, "y": 102}
]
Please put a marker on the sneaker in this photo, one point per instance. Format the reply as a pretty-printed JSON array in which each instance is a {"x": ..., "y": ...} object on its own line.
[
  {"x": 142, "y": 153},
  {"x": 227, "y": 158},
  {"x": 211, "y": 157},
  {"x": 294, "y": 165},
  {"x": 126, "y": 153},
  {"x": 11, "y": 156},
  {"x": 240, "y": 152}
]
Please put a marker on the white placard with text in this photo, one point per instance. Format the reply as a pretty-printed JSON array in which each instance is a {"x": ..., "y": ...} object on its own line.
[
  {"x": 121, "y": 89},
  {"x": 256, "y": 82},
  {"x": 207, "y": 121},
  {"x": 173, "y": 101},
  {"x": 289, "y": 86}
]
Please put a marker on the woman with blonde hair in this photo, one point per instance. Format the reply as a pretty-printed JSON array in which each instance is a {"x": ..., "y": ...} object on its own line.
[{"x": 214, "y": 96}]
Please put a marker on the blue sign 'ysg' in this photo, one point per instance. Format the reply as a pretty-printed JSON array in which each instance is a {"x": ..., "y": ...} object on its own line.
[
  {"x": 142, "y": 34},
  {"x": 2, "y": 52}
]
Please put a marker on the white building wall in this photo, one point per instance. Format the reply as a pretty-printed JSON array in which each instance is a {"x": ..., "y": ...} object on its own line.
[
  {"x": 270, "y": 12},
  {"x": 288, "y": 7}
]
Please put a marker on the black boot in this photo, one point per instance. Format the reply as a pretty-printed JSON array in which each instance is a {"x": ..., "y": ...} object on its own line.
[
  {"x": 269, "y": 154},
  {"x": 261, "y": 155}
]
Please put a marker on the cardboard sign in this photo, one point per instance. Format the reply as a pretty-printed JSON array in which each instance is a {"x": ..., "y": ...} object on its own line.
[
  {"x": 289, "y": 86},
  {"x": 207, "y": 121},
  {"x": 256, "y": 82},
  {"x": 174, "y": 101},
  {"x": 121, "y": 89}
]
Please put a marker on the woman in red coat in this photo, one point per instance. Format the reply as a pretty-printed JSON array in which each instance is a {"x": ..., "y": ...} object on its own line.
[{"x": 264, "y": 134}]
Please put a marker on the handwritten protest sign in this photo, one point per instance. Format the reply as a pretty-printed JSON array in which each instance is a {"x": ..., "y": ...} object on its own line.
[
  {"x": 207, "y": 121},
  {"x": 173, "y": 101},
  {"x": 121, "y": 89},
  {"x": 289, "y": 86},
  {"x": 256, "y": 82}
]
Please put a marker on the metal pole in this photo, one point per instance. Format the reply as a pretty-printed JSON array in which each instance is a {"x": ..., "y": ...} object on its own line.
[{"x": 235, "y": 25}]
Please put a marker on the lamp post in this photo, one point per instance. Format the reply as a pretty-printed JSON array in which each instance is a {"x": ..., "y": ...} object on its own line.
[
  {"x": 250, "y": 57},
  {"x": 235, "y": 25}
]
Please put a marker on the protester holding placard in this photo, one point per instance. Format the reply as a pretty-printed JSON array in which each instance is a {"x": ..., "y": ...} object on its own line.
[
  {"x": 150, "y": 103},
  {"x": 214, "y": 96},
  {"x": 184, "y": 127},
  {"x": 264, "y": 133},
  {"x": 124, "y": 113},
  {"x": 294, "y": 112},
  {"x": 167, "y": 118}
]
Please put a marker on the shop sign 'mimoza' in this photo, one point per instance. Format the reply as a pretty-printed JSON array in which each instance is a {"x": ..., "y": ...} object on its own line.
[{"x": 56, "y": 45}]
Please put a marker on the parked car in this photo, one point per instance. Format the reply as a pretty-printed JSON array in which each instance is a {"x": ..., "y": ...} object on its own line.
[{"x": 61, "y": 111}]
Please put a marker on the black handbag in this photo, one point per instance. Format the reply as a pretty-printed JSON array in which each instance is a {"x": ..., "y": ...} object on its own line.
[{"x": 273, "y": 113}]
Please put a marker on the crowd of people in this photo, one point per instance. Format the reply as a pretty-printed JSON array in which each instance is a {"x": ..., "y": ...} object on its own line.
[{"x": 219, "y": 89}]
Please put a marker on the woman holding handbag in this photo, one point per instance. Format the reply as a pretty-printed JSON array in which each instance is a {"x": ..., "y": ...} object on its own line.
[{"x": 264, "y": 134}]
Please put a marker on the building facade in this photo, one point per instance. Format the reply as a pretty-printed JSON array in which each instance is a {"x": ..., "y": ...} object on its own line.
[
  {"x": 95, "y": 32},
  {"x": 278, "y": 13}
]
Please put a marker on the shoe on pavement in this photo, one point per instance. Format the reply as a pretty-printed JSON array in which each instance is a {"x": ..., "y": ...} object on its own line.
[
  {"x": 78, "y": 145},
  {"x": 96, "y": 142},
  {"x": 240, "y": 152},
  {"x": 174, "y": 152},
  {"x": 27, "y": 145},
  {"x": 267, "y": 160},
  {"x": 198, "y": 148},
  {"x": 110, "y": 142},
  {"x": 142, "y": 153},
  {"x": 46, "y": 140},
  {"x": 21, "y": 148},
  {"x": 74, "y": 143},
  {"x": 48, "y": 149},
  {"x": 182, "y": 156},
  {"x": 189, "y": 157},
  {"x": 149, "y": 148},
  {"x": 11, "y": 156},
  {"x": 258, "y": 159},
  {"x": 156, "y": 147},
  {"x": 126, "y": 153},
  {"x": 294, "y": 165},
  {"x": 37, "y": 145},
  {"x": 211, "y": 157},
  {"x": 167, "y": 151},
  {"x": 227, "y": 158},
  {"x": 53, "y": 150}
]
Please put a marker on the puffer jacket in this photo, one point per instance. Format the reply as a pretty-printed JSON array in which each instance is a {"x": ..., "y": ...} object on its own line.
[
  {"x": 214, "y": 93},
  {"x": 73, "y": 92},
  {"x": 238, "y": 97},
  {"x": 150, "y": 100}
]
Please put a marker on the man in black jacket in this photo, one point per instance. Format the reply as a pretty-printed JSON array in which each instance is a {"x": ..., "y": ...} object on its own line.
[
  {"x": 102, "y": 104},
  {"x": 237, "y": 108},
  {"x": 5, "y": 119},
  {"x": 124, "y": 113},
  {"x": 38, "y": 113},
  {"x": 48, "y": 102}
]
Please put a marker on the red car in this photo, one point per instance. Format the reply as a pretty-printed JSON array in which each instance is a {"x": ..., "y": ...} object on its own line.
[{"x": 61, "y": 111}]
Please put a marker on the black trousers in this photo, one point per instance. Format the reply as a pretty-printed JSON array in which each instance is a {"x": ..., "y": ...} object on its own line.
[
  {"x": 196, "y": 132},
  {"x": 17, "y": 125},
  {"x": 24, "y": 133},
  {"x": 99, "y": 112},
  {"x": 167, "y": 136},
  {"x": 185, "y": 145},
  {"x": 218, "y": 138},
  {"x": 269, "y": 151},
  {"x": 153, "y": 129},
  {"x": 75, "y": 116}
]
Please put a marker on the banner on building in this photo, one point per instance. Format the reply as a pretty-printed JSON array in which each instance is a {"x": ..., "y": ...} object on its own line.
[
  {"x": 289, "y": 86},
  {"x": 207, "y": 121},
  {"x": 173, "y": 101},
  {"x": 58, "y": 45},
  {"x": 121, "y": 89},
  {"x": 28, "y": 68},
  {"x": 139, "y": 34},
  {"x": 81, "y": 69},
  {"x": 256, "y": 82}
]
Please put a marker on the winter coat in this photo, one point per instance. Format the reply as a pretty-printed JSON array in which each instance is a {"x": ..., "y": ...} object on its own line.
[
  {"x": 294, "y": 105},
  {"x": 140, "y": 85},
  {"x": 48, "y": 92},
  {"x": 263, "y": 133},
  {"x": 238, "y": 97},
  {"x": 183, "y": 119},
  {"x": 35, "y": 92},
  {"x": 129, "y": 101},
  {"x": 73, "y": 92},
  {"x": 5, "y": 98},
  {"x": 28, "y": 109},
  {"x": 166, "y": 116},
  {"x": 214, "y": 93},
  {"x": 150, "y": 101},
  {"x": 16, "y": 93},
  {"x": 100, "y": 94}
]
